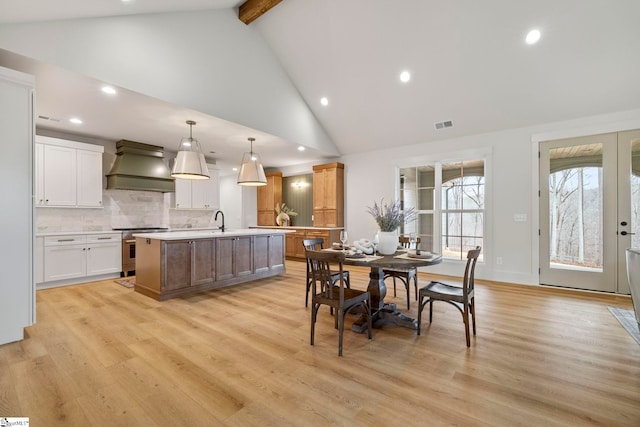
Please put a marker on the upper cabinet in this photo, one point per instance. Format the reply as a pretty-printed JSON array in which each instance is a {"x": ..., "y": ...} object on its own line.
[
  {"x": 68, "y": 173},
  {"x": 328, "y": 195},
  {"x": 199, "y": 193},
  {"x": 268, "y": 196}
]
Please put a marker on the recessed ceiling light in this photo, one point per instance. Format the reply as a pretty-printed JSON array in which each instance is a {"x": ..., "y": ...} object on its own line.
[
  {"x": 301, "y": 148},
  {"x": 75, "y": 121},
  {"x": 533, "y": 36},
  {"x": 235, "y": 169},
  {"x": 109, "y": 90},
  {"x": 324, "y": 101},
  {"x": 405, "y": 76}
]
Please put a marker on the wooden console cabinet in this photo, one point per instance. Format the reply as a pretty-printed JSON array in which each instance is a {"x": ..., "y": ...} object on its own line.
[
  {"x": 328, "y": 195},
  {"x": 295, "y": 250}
]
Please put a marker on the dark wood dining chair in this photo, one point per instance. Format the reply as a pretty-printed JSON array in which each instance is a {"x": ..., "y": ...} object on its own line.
[
  {"x": 405, "y": 275},
  {"x": 325, "y": 291},
  {"x": 317, "y": 244},
  {"x": 460, "y": 295}
]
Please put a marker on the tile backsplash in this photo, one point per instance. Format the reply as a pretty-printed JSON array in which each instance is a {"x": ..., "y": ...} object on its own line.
[{"x": 122, "y": 209}]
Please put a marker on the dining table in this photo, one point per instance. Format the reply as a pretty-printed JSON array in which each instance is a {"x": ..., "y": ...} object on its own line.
[{"x": 381, "y": 312}]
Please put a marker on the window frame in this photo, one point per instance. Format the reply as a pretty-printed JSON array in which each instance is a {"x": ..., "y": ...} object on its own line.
[{"x": 436, "y": 162}]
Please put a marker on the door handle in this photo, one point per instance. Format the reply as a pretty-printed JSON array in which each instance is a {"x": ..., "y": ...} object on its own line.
[{"x": 624, "y": 233}]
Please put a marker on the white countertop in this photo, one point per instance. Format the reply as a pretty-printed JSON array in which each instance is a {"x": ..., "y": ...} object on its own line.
[
  {"x": 73, "y": 233},
  {"x": 207, "y": 234}
]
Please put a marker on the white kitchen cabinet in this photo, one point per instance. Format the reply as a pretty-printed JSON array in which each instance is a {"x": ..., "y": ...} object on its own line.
[
  {"x": 68, "y": 173},
  {"x": 78, "y": 256},
  {"x": 89, "y": 178},
  {"x": 199, "y": 193}
]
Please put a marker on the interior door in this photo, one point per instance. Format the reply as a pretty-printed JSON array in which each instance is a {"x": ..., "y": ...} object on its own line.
[{"x": 586, "y": 220}]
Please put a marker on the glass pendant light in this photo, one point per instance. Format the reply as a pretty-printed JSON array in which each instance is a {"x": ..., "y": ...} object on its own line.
[
  {"x": 251, "y": 171},
  {"x": 190, "y": 162}
]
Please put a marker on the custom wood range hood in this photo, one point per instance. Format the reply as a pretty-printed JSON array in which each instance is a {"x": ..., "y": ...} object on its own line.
[{"x": 140, "y": 166}]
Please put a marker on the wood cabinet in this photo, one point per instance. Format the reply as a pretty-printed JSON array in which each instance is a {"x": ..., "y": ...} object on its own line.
[
  {"x": 295, "y": 249},
  {"x": 268, "y": 252},
  {"x": 68, "y": 173},
  {"x": 233, "y": 257},
  {"x": 193, "y": 261},
  {"x": 171, "y": 268},
  {"x": 328, "y": 195},
  {"x": 199, "y": 193},
  {"x": 268, "y": 196},
  {"x": 79, "y": 256}
]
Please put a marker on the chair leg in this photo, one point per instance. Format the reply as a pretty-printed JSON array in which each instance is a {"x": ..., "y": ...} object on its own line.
[
  {"x": 394, "y": 286},
  {"x": 465, "y": 316},
  {"x": 420, "y": 307},
  {"x": 347, "y": 281},
  {"x": 306, "y": 297},
  {"x": 473, "y": 314},
  {"x": 430, "y": 310},
  {"x": 415, "y": 285},
  {"x": 314, "y": 313},
  {"x": 407, "y": 285},
  {"x": 340, "y": 315}
]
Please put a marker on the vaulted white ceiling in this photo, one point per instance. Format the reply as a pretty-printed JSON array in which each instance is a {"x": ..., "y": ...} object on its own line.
[{"x": 468, "y": 60}]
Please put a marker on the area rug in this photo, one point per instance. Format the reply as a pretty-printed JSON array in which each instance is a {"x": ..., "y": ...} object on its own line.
[
  {"x": 129, "y": 282},
  {"x": 627, "y": 319}
]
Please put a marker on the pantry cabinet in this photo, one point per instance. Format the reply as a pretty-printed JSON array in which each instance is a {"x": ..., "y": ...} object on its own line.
[
  {"x": 199, "y": 193},
  {"x": 268, "y": 196},
  {"x": 68, "y": 173},
  {"x": 328, "y": 195}
]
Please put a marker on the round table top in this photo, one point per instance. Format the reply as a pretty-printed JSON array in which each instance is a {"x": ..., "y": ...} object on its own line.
[{"x": 390, "y": 261}]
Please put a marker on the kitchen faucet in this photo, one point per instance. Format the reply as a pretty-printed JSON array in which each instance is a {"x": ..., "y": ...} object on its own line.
[{"x": 216, "y": 218}]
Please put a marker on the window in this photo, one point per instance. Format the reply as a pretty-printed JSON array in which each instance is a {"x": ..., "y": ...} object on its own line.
[{"x": 449, "y": 201}]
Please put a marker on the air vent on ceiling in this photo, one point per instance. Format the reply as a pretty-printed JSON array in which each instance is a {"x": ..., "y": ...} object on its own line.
[
  {"x": 49, "y": 118},
  {"x": 443, "y": 125}
]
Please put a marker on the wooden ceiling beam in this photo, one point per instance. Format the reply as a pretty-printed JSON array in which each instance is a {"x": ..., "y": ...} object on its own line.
[{"x": 251, "y": 10}]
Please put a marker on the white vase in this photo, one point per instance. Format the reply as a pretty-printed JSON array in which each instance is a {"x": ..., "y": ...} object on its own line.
[{"x": 387, "y": 242}]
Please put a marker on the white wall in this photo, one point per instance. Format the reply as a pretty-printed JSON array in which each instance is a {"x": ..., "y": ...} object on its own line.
[
  {"x": 208, "y": 61},
  {"x": 17, "y": 290},
  {"x": 512, "y": 181}
]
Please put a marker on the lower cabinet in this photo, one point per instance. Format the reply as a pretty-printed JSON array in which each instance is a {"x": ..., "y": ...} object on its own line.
[
  {"x": 295, "y": 249},
  {"x": 79, "y": 256},
  {"x": 171, "y": 268},
  {"x": 192, "y": 262},
  {"x": 234, "y": 257},
  {"x": 268, "y": 252}
]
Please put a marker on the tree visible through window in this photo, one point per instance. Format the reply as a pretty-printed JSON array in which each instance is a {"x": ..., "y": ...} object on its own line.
[{"x": 453, "y": 192}]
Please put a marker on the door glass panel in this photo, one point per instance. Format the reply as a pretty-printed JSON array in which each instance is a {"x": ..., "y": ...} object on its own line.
[{"x": 576, "y": 208}]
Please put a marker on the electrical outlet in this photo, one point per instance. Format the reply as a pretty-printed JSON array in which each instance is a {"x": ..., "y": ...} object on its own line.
[{"x": 499, "y": 260}]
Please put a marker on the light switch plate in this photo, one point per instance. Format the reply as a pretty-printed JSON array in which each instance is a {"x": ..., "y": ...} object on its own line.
[{"x": 520, "y": 217}]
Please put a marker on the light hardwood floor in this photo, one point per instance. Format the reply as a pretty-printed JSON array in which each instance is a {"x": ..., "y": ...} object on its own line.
[{"x": 103, "y": 355}]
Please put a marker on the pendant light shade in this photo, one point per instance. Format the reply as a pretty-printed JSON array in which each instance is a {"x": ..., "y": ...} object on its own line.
[
  {"x": 190, "y": 162},
  {"x": 251, "y": 170}
]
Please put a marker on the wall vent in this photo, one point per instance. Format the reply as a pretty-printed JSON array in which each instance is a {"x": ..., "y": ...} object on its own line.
[{"x": 443, "y": 125}]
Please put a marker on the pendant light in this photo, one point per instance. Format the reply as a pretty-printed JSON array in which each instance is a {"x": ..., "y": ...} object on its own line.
[
  {"x": 190, "y": 162},
  {"x": 251, "y": 170}
]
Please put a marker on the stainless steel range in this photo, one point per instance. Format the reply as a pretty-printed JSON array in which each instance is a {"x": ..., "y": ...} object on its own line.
[{"x": 129, "y": 247}]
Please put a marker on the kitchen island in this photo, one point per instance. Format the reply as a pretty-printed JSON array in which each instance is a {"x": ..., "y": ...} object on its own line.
[{"x": 180, "y": 263}]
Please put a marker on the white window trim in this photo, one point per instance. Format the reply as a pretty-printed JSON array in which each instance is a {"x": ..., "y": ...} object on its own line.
[{"x": 484, "y": 153}]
